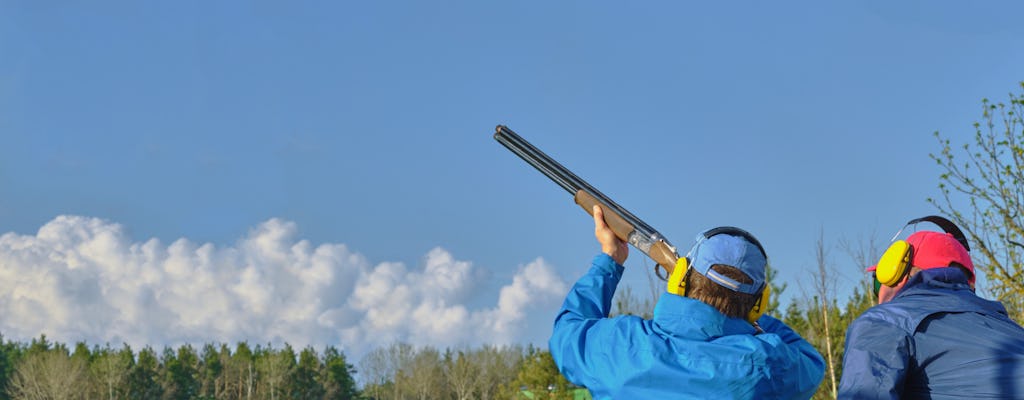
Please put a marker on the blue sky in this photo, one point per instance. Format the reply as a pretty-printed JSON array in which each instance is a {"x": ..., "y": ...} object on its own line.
[{"x": 368, "y": 125}]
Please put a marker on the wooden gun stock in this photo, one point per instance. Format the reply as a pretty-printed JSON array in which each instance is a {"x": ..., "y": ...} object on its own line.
[{"x": 660, "y": 251}]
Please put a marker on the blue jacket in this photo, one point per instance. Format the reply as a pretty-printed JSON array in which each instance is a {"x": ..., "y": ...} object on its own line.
[
  {"x": 934, "y": 340},
  {"x": 689, "y": 349}
]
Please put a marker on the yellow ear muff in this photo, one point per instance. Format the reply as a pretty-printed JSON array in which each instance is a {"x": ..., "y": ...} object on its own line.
[
  {"x": 761, "y": 306},
  {"x": 676, "y": 284},
  {"x": 894, "y": 263}
]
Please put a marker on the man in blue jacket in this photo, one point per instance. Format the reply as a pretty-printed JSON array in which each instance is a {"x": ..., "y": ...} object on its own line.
[
  {"x": 930, "y": 336},
  {"x": 699, "y": 344}
]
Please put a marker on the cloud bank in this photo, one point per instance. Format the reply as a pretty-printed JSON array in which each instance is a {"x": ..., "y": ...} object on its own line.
[{"x": 83, "y": 279}]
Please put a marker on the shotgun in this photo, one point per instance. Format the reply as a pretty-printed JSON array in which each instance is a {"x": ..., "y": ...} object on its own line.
[{"x": 626, "y": 226}]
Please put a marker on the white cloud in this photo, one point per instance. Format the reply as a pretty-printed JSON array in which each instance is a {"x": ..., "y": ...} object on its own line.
[{"x": 83, "y": 279}]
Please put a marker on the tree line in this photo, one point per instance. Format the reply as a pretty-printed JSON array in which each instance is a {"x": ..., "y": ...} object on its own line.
[
  {"x": 43, "y": 369},
  {"x": 402, "y": 371}
]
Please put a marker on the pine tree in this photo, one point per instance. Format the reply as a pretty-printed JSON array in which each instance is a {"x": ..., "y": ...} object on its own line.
[
  {"x": 181, "y": 373},
  {"x": 338, "y": 376},
  {"x": 210, "y": 373},
  {"x": 304, "y": 381},
  {"x": 539, "y": 374},
  {"x": 144, "y": 377}
]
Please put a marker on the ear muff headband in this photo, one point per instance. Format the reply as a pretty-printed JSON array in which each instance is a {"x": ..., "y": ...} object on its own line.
[
  {"x": 895, "y": 262},
  {"x": 947, "y": 226},
  {"x": 732, "y": 231}
]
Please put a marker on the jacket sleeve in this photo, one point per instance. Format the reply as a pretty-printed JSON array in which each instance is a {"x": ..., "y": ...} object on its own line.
[
  {"x": 582, "y": 331},
  {"x": 807, "y": 365},
  {"x": 875, "y": 360}
]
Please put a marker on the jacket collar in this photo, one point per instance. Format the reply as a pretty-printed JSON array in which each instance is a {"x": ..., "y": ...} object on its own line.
[
  {"x": 950, "y": 278},
  {"x": 687, "y": 318},
  {"x": 933, "y": 291}
]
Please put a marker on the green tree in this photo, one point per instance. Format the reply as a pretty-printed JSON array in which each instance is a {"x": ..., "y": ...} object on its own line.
[
  {"x": 988, "y": 174},
  {"x": 274, "y": 369},
  {"x": 861, "y": 300},
  {"x": 304, "y": 382},
  {"x": 777, "y": 289},
  {"x": 239, "y": 375},
  {"x": 10, "y": 354},
  {"x": 807, "y": 318},
  {"x": 338, "y": 376},
  {"x": 795, "y": 319},
  {"x": 210, "y": 375},
  {"x": 40, "y": 345},
  {"x": 539, "y": 374},
  {"x": 144, "y": 377},
  {"x": 181, "y": 379},
  {"x": 82, "y": 353}
]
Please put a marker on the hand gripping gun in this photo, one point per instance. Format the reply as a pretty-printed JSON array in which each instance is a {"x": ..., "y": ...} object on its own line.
[{"x": 626, "y": 226}]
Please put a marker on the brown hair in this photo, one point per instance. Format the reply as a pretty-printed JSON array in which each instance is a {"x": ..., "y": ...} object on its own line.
[{"x": 731, "y": 303}]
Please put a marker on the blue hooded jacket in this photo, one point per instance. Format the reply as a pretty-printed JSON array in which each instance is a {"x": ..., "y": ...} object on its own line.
[
  {"x": 688, "y": 350},
  {"x": 934, "y": 340}
]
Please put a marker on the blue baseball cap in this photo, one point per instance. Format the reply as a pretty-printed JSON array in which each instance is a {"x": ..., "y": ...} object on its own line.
[{"x": 732, "y": 250}]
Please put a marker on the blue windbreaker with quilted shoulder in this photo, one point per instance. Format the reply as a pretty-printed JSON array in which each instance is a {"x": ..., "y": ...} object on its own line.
[
  {"x": 688, "y": 350},
  {"x": 934, "y": 340}
]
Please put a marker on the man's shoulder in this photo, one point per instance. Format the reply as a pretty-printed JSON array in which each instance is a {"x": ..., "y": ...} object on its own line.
[
  {"x": 884, "y": 311},
  {"x": 888, "y": 315},
  {"x": 907, "y": 310}
]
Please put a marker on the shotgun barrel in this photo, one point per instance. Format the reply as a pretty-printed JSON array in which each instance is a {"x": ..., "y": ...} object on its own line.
[{"x": 628, "y": 227}]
